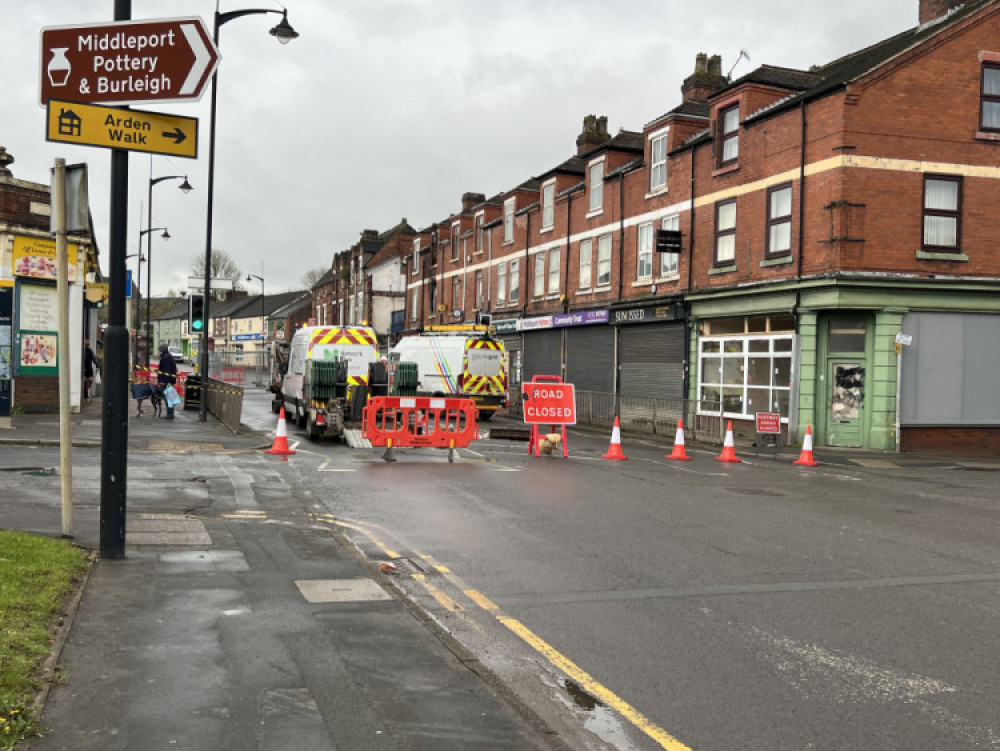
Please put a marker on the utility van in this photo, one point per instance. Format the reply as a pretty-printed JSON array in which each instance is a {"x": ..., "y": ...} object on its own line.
[
  {"x": 325, "y": 364},
  {"x": 464, "y": 363}
]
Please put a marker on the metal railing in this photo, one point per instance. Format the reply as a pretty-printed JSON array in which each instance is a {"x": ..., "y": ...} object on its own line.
[
  {"x": 650, "y": 415},
  {"x": 225, "y": 401}
]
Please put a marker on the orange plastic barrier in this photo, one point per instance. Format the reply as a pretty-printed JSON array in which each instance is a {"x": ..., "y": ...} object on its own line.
[{"x": 419, "y": 421}]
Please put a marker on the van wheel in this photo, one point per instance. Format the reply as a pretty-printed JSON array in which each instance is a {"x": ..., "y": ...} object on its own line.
[
  {"x": 312, "y": 432},
  {"x": 484, "y": 416},
  {"x": 300, "y": 416}
]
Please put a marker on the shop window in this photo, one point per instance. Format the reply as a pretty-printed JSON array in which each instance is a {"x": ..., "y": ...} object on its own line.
[{"x": 747, "y": 374}]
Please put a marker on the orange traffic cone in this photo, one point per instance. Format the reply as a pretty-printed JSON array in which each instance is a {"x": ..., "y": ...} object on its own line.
[
  {"x": 806, "y": 457},
  {"x": 679, "y": 452},
  {"x": 615, "y": 449},
  {"x": 728, "y": 451},
  {"x": 280, "y": 446}
]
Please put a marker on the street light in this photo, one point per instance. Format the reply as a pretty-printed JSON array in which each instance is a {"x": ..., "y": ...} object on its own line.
[
  {"x": 263, "y": 320},
  {"x": 145, "y": 258},
  {"x": 284, "y": 33},
  {"x": 185, "y": 188}
]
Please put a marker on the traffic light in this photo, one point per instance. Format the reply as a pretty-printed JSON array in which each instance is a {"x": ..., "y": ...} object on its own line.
[{"x": 196, "y": 313}]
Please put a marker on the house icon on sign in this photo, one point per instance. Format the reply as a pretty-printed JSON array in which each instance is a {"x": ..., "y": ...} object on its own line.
[{"x": 69, "y": 123}]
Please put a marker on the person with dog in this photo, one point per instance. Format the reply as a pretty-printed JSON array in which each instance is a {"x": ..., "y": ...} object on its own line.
[{"x": 166, "y": 375}]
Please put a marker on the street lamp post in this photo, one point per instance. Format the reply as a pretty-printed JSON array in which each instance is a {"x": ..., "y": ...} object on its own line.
[
  {"x": 184, "y": 187},
  {"x": 147, "y": 232},
  {"x": 284, "y": 33},
  {"x": 263, "y": 322}
]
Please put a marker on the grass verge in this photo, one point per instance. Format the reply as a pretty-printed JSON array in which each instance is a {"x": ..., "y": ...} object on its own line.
[{"x": 37, "y": 577}]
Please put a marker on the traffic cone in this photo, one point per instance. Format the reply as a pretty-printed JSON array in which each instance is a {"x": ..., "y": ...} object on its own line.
[
  {"x": 728, "y": 451},
  {"x": 615, "y": 449},
  {"x": 280, "y": 446},
  {"x": 806, "y": 457},
  {"x": 679, "y": 452}
]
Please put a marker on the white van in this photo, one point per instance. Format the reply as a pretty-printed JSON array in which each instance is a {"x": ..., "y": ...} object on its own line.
[
  {"x": 464, "y": 365},
  {"x": 356, "y": 344}
]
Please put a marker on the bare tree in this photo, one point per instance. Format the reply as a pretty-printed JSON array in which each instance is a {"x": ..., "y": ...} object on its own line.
[
  {"x": 223, "y": 267},
  {"x": 312, "y": 276}
]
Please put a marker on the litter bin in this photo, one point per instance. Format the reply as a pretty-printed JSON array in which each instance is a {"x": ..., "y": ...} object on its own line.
[{"x": 192, "y": 392}]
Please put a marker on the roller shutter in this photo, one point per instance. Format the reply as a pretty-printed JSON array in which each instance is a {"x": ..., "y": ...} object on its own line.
[
  {"x": 590, "y": 358},
  {"x": 651, "y": 360},
  {"x": 542, "y": 353}
]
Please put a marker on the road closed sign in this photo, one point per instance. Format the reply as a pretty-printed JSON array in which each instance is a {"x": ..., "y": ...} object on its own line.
[{"x": 550, "y": 403}]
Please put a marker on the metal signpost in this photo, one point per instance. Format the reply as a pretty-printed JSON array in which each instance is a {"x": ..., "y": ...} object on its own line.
[{"x": 126, "y": 62}]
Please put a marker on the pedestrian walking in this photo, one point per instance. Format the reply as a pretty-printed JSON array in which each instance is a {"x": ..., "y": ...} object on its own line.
[
  {"x": 166, "y": 376},
  {"x": 90, "y": 368}
]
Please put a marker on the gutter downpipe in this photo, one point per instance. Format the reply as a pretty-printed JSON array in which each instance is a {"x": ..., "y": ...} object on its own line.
[
  {"x": 527, "y": 263},
  {"x": 793, "y": 407},
  {"x": 687, "y": 305}
]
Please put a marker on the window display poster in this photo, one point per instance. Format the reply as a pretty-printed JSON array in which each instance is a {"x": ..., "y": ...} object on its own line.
[
  {"x": 35, "y": 257},
  {"x": 37, "y": 326}
]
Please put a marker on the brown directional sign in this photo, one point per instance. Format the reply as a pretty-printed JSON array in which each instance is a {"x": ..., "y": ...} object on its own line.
[{"x": 161, "y": 60}]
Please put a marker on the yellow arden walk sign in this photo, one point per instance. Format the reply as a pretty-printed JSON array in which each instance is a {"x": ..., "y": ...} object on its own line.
[{"x": 116, "y": 128}]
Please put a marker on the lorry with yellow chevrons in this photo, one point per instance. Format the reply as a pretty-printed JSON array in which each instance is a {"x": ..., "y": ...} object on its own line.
[
  {"x": 459, "y": 361},
  {"x": 325, "y": 365}
]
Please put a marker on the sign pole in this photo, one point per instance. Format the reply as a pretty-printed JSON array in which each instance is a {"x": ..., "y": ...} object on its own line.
[
  {"x": 62, "y": 293},
  {"x": 114, "y": 426}
]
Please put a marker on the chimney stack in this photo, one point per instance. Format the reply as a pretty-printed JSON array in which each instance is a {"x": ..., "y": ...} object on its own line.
[
  {"x": 706, "y": 79},
  {"x": 471, "y": 200},
  {"x": 595, "y": 132},
  {"x": 934, "y": 9}
]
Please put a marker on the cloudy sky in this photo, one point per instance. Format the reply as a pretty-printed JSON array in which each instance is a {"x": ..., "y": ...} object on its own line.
[{"x": 384, "y": 109}]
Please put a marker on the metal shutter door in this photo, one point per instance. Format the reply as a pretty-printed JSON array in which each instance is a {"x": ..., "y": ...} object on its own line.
[
  {"x": 542, "y": 353},
  {"x": 651, "y": 360},
  {"x": 590, "y": 358}
]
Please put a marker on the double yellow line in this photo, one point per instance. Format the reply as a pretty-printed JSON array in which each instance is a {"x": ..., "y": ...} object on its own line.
[{"x": 529, "y": 637}]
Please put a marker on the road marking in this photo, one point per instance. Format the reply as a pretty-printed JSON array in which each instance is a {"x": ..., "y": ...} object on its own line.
[
  {"x": 324, "y": 467},
  {"x": 589, "y": 684},
  {"x": 481, "y": 600},
  {"x": 447, "y": 602}
]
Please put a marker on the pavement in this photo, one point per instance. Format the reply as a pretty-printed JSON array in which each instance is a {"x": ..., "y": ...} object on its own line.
[{"x": 237, "y": 619}]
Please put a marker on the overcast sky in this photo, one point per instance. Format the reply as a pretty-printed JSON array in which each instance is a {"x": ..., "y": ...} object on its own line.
[{"x": 384, "y": 109}]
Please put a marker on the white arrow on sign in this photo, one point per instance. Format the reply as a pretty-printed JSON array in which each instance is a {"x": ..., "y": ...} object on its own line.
[{"x": 202, "y": 58}]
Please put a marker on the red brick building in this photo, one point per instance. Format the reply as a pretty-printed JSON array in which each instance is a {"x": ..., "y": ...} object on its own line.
[{"x": 828, "y": 218}]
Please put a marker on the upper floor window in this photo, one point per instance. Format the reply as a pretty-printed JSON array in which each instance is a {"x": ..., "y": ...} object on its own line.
[
  {"x": 515, "y": 280},
  {"x": 480, "y": 240},
  {"x": 456, "y": 293},
  {"x": 508, "y": 220},
  {"x": 554, "y": 271},
  {"x": 479, "y": 290},
  {"x": 942, "y": 212},
  {"x": 454, "y": 241},
  {"x": 596, "y": 176},
  {"x": 729, "y": 134},
  {"x": 539, "y": 288},
  {"x": 779, "y": 221},
  {"x": 604, "y": 261},
  {"x": 989, "y": 116},
  {"x": 658, "y": 161},
  {"x": 644, "y": 257},
  {"x": 414, "y": 303},
  {"x": 416, "y": 256},
  {"x": 586, "y": 263},
  {"x": 501, "y": 284},
  {"x": 548, "y": 204},
  {"x": 668, "y": 261},
  {"x": 725, "y": 232}
]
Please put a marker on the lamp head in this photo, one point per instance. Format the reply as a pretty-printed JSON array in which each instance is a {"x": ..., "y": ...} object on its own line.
[
  {"x": 185, "y": 187},
  {"x": 165, "y": 235},
  {"x": 284, "y": 32}
]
